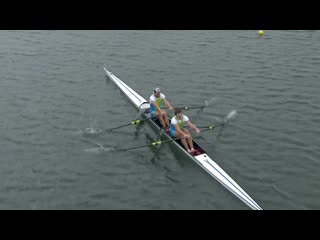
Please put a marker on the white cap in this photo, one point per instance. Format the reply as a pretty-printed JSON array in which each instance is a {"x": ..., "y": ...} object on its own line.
[{"x": 156, "y": 89}]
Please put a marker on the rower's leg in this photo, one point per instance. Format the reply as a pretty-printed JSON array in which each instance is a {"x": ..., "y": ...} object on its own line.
[
  {"x": 189, "y": 139},
  {"x": 162, "y": 122},
  {"x": 190, "y": 142},
  {"x": 185, "y": 144},
  {"x": 183, "y": 140},
  {"x": 160, "y": 119},
  {"x": 165, "y": 118}
]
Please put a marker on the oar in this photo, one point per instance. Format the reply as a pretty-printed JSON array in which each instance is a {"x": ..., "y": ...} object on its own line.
[
  {"x": 155, "y": 143},
  {"x": 210, "y": 127},
  {"x": 206, "y": 103},
  {"x": 225, "y": 120},
  {"x": 188, "y": 107},
  {"x": 134, "y": 122},
  {"x": 159, "y": 134}
]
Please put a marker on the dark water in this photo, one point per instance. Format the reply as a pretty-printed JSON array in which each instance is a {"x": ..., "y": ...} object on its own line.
[{"x": 53, "y": 87}]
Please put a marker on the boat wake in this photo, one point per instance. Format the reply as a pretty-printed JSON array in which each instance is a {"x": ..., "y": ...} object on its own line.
[
  {"x": 91, "y": 131},
  {"x": 100, "y": 149}
]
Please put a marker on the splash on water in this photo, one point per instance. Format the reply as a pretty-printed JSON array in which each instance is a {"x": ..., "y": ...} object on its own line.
[
  {"x": 88, "y": 132},
  {"x": 232, "y": 114},
  {"x": 100, "y": 149},
  {"x": 209, "y": 102},
  {"x": 92, "y": 131}
]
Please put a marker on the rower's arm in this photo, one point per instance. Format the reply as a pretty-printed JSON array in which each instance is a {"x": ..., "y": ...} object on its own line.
[
  {"x": 177, "y": 128},
  {"x": 167, "y": 103},
  {"x": 191, "y": 125},
  {"x": 156, "y": 106}
]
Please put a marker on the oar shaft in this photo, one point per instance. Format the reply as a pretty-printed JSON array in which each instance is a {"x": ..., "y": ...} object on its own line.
[
  {"x": 206, "y": 126},
  {"x": 212, "y": 127},
  {"x": 189, "y": 108},
  {"x": 110, "y": 129},
  {"x": 134, "y": 122},
  {"x": 131, "y": 148},
  {"x": 155, "y": 143},
  {"x": 186, "y": 108}
]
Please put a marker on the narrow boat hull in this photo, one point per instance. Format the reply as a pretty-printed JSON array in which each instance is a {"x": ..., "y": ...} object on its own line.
[{"x": 201, "y": 158}]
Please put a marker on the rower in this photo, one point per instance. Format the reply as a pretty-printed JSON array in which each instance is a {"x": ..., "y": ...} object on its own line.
[
  {"x": 156, "y": 101},
  {"x": 177, "y": 130}
]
